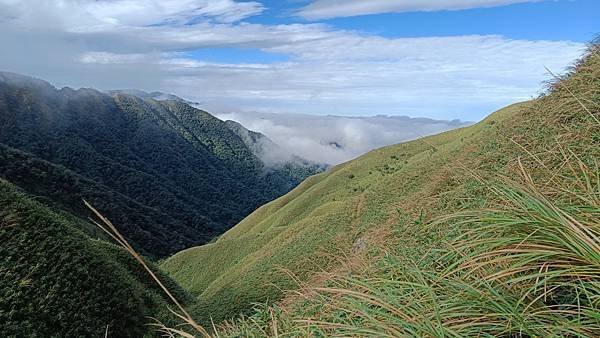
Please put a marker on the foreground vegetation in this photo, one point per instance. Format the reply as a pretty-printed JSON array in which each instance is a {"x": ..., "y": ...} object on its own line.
[{"x": 490, "y": 230}]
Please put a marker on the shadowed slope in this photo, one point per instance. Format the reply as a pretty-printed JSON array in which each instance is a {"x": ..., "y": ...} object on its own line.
[
  {"x": 56, "y": 281},
  {"x": 170, "y": 175}
]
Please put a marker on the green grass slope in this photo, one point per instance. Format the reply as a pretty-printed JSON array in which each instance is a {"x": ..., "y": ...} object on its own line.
[
  {"x": 385, "y": 197},
  {"x": 302, "y": 232}
]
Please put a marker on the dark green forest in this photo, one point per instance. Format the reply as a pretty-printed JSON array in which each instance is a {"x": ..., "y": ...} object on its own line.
[{"x": 168, "y": 175}]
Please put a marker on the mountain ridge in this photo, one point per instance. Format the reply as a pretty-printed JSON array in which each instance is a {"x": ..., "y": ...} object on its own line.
[{"x": 164, "y": 155}]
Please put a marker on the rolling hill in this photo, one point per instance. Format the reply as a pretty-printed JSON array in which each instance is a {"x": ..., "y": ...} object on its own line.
[{"x": 387, "y": 226}]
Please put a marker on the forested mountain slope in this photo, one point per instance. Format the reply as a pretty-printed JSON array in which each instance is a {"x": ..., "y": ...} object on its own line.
[
  {"x": 57, "y": 282},
  {"x": 368, "y": 222},
  {"x": 171, "y": 176}
]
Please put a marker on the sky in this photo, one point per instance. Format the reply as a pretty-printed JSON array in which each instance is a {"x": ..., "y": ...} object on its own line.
[{"x": 440, "y": 59}]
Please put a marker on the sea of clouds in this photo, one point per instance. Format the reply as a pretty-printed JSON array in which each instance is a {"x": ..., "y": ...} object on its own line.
[{"x": 336, "y": 139}]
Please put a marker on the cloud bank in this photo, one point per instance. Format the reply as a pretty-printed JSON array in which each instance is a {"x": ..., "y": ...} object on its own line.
[
  {"x": 336, "y": 139},
  {"x": 325, "y": 9}
]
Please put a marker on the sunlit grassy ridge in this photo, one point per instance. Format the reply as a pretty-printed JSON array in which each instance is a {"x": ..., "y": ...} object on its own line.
[{"x": 487, "y": 230}]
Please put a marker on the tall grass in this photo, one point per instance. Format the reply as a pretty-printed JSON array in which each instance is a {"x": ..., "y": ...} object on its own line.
[{"x": 529, "y": 268}]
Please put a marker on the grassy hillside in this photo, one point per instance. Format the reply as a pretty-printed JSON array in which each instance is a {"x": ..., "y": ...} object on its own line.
[
  {"x": 370, "y": 221},
  {"x": 307, "y": 229},
  {"x": 56, "y": 281},
  {"x": 170, "y": 175}
]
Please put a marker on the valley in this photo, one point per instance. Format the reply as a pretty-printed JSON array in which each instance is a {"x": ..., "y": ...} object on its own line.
[{"x": 291, "y": 169}]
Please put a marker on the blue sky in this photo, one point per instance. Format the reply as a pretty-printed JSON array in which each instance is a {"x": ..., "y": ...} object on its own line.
[
  {"x": 551, "y": 20},
  {"x": 235, "y": 55},
  {"x": 575, "y": 20},
  {"x": 442, "y": 59}
]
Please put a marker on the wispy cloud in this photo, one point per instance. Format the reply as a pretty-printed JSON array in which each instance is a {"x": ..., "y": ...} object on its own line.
[
  {"x": 348, "y": 74},
  {"x": 324, "y": 9}
]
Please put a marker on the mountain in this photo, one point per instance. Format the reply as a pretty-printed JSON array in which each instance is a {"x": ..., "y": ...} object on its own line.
[
  {"x": 259, "y": 143},
  {"x": 487, "y": 230},
  {"x": 169, "y": 175}
]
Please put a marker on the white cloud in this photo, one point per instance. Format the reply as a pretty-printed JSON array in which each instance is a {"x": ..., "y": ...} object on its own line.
[
  {"x": 112, "y": 58},
  {"x": 322, "y": 9},
  {"x": 343, "y": 74},
  {"x": 336, "y": 139},
  {"x": 328, "y": 71}
]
